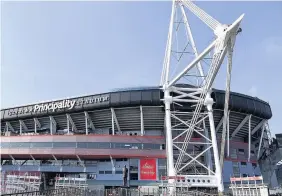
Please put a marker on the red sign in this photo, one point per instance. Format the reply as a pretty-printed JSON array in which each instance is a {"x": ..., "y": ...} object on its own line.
[
  {"x": 246, "y": 178},
  {"x": 148, "y": 169}
]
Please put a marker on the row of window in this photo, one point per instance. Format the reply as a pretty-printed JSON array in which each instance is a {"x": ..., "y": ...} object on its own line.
[
  {"x": 110, "y": 172},
  {"x": 93, "y": 145}
]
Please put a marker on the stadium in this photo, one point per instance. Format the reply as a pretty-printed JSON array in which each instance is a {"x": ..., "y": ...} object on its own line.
[
  {"x": 95, "y": 136},
  {"x": 182, "y": 134}
]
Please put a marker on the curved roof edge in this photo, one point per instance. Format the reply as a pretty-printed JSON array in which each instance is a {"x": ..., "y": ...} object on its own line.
[{"x": 149, "y": 95}]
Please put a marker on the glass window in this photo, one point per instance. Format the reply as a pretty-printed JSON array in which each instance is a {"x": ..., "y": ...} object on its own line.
[
  {"x": 151, "y": 146},
  {"x": 243, "y": 164},
  {"x": 122, "y": 159},
  {"x": 104, "y": 145},
  {"x": 90, "y": 162},
  {"x": 108, "y": 172},
  {"x": 162, "y": 172},
  {"x": 119, "y": 172},
  {"x": 101, "y": 172},
  {"x": 236, "y": 169},
  {"x": 136, "y": 146},
  {"x": 252, "y": 153},
  {"x": 116, "y": 145},
  {"x": 133, "y": 162},
  {"x": 245, "y": 175},
  {"x": 133, "y": 176},
  {"x": 162, "y": 161},
  {"x": 64, "y": 144},
  {"x": 5, "y": 144},
  {"x": 81, "y": 144},
  {"x": 241, "y": 151},
  {"x": 233, "y": 154},
  {"x": 127, "y": 146},
  {"x": 92, "y": 145},
  {"x": 19, "y": 145},
  {"x": 41, "y": 145},
  {"x": 105, "y": 160}
]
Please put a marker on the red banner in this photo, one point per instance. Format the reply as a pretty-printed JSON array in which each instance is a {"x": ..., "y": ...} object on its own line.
[{"x": 148, "y": 169}]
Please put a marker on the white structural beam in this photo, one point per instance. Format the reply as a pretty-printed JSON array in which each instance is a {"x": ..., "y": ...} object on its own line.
[
  {"x": 190, "y": 37},
  {"x": 88, "y": 121},
  {"x": 37, "y": 124},
  {"x": 200, "y": 93},
  {"x": 240, "y": 125},
  {"x": 80, "y": 161},
  {"x": 22, "y": 125},
  {"x": 11, "y": 156},
  {"x": 166, "y": 63},
  {"x": 218, "y": 170},
  {"x": 114, "y": 118},
  {"x": 219, "y": 124},
  {"x": 34, "y": 160},
  {"x": 250, "y": 138},
  {"x": 113, "y": 165},
  {"x": 202, "y": 15},
  {"x": 9, "y": 126},
  {"x": 53, "y": 124},
  {"x": 193, "y": 63},
  {"x": 54, "y": 157},
  {"x": 69, "y": 119},
  {"x": 258, "y": 126},
  {"x": 228, "y": 134},
  {"x": 260, "y": 141},
  {"x": 142, "y": 121}
]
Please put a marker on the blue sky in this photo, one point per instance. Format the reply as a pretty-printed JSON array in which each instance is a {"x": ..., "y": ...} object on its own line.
[{"x": 54, "y": 50}]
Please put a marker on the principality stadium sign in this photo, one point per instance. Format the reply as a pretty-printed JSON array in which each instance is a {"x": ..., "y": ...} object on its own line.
[
  {"x": 80, "y": 103},
  {"x": 69, "y": 104}
]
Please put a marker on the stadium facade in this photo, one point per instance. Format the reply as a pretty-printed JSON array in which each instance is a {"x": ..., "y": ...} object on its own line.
[{"x": 93, "y": 137}]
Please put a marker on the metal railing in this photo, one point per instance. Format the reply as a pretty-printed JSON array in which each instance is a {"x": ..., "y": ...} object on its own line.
[
  {"x": 51, "y": 192},
  {"x": 70, "y": 191}
]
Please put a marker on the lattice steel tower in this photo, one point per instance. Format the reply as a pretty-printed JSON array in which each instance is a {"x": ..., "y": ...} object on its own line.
[{"x": 198, "y": 74}]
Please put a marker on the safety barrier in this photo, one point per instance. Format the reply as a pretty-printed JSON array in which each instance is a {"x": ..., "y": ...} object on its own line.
[{"x": 69, "y": 191}]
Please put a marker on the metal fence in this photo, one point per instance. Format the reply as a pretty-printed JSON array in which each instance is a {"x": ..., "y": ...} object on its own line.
[{"x": 108, "y": 192}]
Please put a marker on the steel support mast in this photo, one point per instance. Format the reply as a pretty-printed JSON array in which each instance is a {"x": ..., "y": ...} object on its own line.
[{"x": 181, "y": 126}]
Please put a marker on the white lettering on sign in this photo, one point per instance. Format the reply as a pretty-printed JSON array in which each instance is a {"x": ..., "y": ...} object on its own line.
[
  {"x": 69, "y": 104},
  {"x": 54, "y": 106}
]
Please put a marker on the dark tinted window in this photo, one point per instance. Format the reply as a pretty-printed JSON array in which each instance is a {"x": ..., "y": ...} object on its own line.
[
  {"x": 81, "y": 145},
  {"x": 92, "y": 145},
  {"x": 19, "y": 145},
  {"x": 151, "y": 146},
  {"x": 243, "y": 163},
  {"x": 5, "y": 144},
  {"x": 64, "y": 144},
  {"x": 108, "y": 172},
  {"x": 104, "y": 145},
  {"x": 41, "y": 145}
]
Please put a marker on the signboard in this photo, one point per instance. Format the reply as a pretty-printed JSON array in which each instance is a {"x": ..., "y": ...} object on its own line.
[
  {"x": 255, "y": 178},
  {"x": 65, "y": 105},
  {"x": 148, "y": 169}
]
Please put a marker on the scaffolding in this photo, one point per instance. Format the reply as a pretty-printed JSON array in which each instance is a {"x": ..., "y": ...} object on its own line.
[
  {"x": 248, "y": 186},
  {"x": 75, "y": 181},
  {"x": 14, "y": 182}
]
